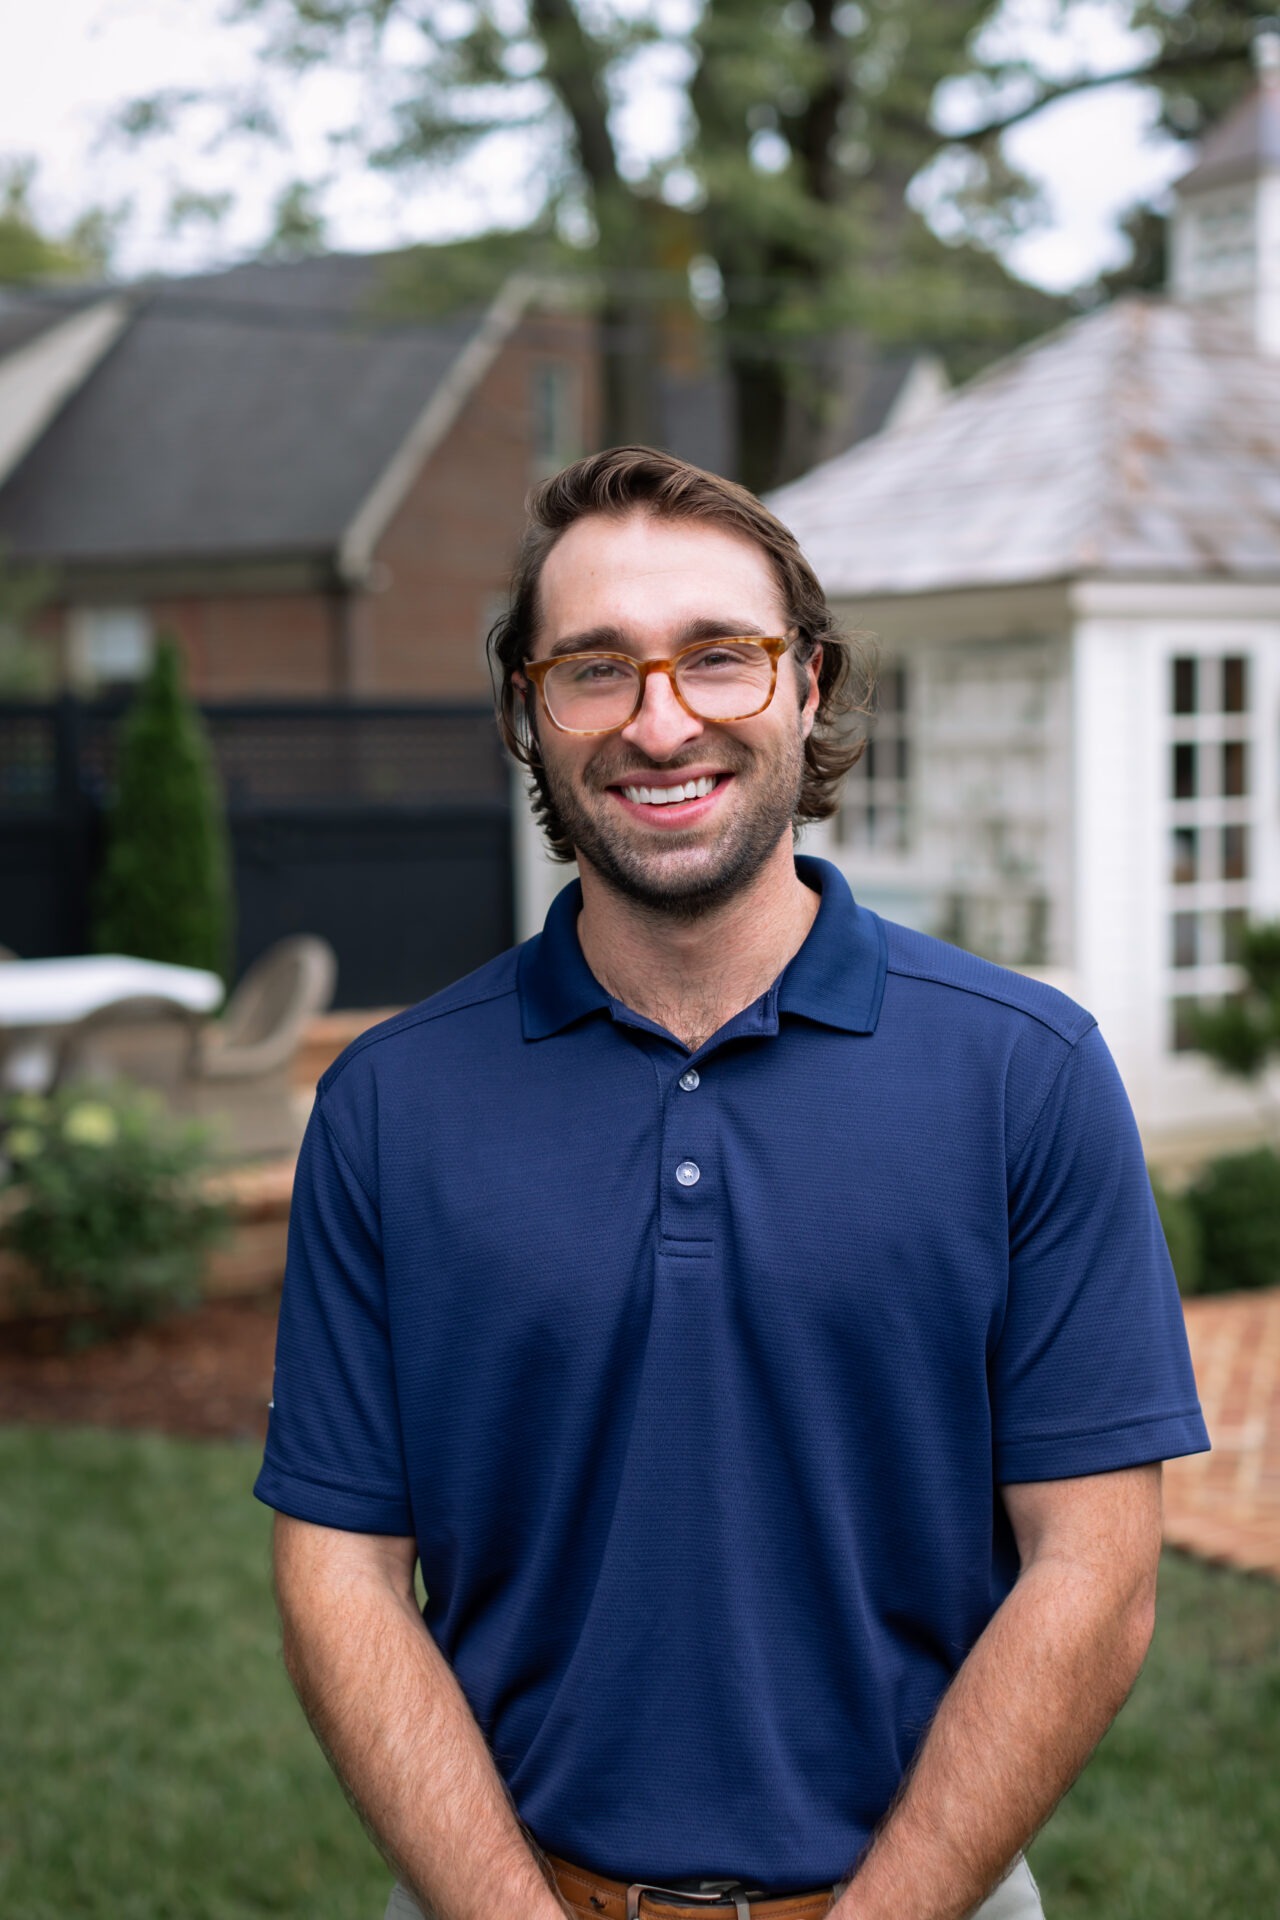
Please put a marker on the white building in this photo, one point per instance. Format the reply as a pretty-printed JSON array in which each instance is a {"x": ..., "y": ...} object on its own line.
[{"x": 1072, "y": 570}]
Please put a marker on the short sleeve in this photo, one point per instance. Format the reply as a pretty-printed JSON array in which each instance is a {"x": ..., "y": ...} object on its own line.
[
  {"x": 1091, "y": 1371},
  {"x": 334, "y": 1454}
]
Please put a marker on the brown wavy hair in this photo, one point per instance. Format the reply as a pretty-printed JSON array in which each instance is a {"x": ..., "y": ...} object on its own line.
[{"x": 625, "y": 480}]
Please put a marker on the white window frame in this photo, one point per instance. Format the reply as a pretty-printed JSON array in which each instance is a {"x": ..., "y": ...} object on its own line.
[
  {"x": 110, "y": 645},
  {"x": 879, "y": 789},
  {"x": 1211, "y": 895},
  {"x": 555, "y": 415}
]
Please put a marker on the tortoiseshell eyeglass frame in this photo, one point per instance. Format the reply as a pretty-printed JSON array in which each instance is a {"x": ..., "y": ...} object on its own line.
[{"x": 537, "y": 671}]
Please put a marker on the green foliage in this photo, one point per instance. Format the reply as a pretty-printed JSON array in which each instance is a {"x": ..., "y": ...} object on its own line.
[
  {"x": 103, "y": 1199},
  {"x": 1243, "y": 1034},
  {"x": 28, "y": 254},
  {"x": 26, "y": 667},
  {"x": 822, "y": 144},
  {"x": 1204, "y": 56},
  {"x": 164, "y": 892},
  {"x": 1235, "y": 1035},
  {"x": 431, "y": 281},
  {"x": 298, "y": 225},
  {"x": 1236, "y": 1206},
  {"x": 1182, "y": 1235}
]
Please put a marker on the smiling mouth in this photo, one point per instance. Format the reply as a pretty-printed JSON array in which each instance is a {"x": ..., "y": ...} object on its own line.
[{"x": 670, "y": 796}]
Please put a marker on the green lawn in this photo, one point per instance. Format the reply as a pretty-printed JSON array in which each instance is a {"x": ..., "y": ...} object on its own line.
[{"x": 156, "y": 1767}]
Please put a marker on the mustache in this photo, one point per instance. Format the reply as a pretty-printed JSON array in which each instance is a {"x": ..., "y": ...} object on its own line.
[{"x": 609, "y": 766}]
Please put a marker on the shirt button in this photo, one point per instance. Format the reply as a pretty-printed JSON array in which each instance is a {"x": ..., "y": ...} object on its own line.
[
  {"x": 688, "y": 1173},
  {"x": 690, "y": 1079}
]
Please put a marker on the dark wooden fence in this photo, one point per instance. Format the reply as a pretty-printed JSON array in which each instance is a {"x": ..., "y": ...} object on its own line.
[{"x": 387, "y": 829}]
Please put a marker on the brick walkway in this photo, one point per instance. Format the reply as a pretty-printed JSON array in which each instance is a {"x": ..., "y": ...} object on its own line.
[{"x": 1225, "y": 1505}]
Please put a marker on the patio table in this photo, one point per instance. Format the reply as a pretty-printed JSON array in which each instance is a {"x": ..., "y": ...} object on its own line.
[{"x": 40, "y": 998}]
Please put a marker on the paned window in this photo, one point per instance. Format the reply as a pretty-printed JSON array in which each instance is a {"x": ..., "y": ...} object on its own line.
[
  {"x": 554, "y": 399},
  {"x": 1210, "y": 782},
  {"x": 111, "y": 646},
  {"x": 875, "y": 813}
]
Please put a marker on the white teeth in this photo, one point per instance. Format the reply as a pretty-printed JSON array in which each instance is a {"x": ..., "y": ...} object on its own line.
[{"x": 667, "y": 796}]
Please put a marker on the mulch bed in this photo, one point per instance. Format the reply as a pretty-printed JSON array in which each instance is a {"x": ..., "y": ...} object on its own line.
[{"x": 205, "y": 1374}]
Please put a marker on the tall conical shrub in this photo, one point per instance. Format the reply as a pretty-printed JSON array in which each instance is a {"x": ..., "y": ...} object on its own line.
[{"x": 165, "y": 890}]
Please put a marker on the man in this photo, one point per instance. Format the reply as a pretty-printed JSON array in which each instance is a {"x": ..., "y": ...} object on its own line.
[{"x": 752, "y": 1316}]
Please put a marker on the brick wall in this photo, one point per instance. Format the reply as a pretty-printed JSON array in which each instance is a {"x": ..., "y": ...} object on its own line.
[
  {"x": 448, "y": 551},
  {"x": 441, "y": 566},
  {"x": 247, "y": 645}
]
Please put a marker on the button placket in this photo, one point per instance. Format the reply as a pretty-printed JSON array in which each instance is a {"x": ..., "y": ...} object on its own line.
[{"x": 689, "y": 1171}]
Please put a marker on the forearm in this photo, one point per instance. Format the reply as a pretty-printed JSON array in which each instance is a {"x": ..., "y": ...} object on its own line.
[
  {"x": 389, "y": 1713},
  {"x": 1021, "y": 1718}
]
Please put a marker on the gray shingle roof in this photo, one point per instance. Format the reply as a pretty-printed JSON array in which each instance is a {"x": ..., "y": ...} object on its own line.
[
  {"x": 1143, "y": 440},
  {"x": 27, "y": 311},
  {"x": 241, "y": 415}
]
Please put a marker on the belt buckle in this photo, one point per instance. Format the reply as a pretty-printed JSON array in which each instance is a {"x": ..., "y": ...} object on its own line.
[{"x": 720, "y": 1897}]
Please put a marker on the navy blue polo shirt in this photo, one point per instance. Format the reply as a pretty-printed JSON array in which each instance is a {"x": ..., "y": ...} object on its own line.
[{"x": 694, "y": 1376}]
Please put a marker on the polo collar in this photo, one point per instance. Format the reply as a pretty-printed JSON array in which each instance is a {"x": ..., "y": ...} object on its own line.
[
  {"x": 555, "y": 984},
  {"x": 837, "y": 977}
]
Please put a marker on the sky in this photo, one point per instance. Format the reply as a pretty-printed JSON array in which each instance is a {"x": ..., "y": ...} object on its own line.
[{"x": 68, "y": 66}]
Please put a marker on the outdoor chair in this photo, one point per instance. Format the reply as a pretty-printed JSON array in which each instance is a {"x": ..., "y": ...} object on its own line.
[
  {"x": 144, "y": 1038},
  {"x": 240, "y": 1074},
  {"x": 267, "y": 1013}
]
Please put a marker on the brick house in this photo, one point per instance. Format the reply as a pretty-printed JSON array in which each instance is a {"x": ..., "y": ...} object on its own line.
[
  {"x": 316, "y": 498},
  {"x": 316, "y": 495}
]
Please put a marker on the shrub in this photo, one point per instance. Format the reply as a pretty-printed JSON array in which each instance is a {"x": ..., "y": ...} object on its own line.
[
  {"x": 103, "y": 1199},
  {"x": 165, "y": 891},
  {"x": 1182, "y": 1234},
  {"x": 1236, "y": 1203},
  {"x": 1242, "y": 1035}
]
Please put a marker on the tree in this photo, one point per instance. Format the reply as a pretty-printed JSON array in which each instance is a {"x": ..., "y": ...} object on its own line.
[
  {"x": 28, "y": 254},
  {"x": 1243, "y": 1034},
  {"x": 811, "y": 128},
  {"x": 165, "y": 892},
  {"x": 811, "y": 124},
  {"x": 26, "y": 666},
  {"x": 299, "y": 227}
]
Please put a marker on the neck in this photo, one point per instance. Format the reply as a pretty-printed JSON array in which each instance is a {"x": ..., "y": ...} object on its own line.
[{"x": 691, "y": 976}]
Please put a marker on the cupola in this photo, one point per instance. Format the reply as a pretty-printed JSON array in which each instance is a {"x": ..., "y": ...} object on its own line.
[{"x": 1226, "y": 222}]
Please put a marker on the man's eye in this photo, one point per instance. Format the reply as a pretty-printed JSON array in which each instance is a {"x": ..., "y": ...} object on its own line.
[
  {"x": 597, "y": 673},
  {"x": 718, "y": 660}
]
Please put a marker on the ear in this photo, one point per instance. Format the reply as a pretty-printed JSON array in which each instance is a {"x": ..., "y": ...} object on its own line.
[
  {"x": 809, "y": 705},
  {"x": 525, "y": 701}
]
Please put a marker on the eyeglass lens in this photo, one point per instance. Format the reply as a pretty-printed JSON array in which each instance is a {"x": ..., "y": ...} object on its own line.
[{"x": 590, "y": 692}]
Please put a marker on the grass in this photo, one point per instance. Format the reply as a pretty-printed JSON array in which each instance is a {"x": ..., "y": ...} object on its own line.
[
  {"x": 1177, "y": 1817},
  {"x": 156, "y": 1766}
]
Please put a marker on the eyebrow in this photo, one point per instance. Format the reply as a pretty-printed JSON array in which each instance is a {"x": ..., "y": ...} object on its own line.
[{"x": 607, "y": 639}]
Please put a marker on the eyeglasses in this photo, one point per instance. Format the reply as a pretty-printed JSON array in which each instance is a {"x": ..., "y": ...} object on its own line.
[{"x": 729, "y": 679}]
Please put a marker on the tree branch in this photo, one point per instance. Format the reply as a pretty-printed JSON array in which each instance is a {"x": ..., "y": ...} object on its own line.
[
  {"x": 1168, "y": 66},
  {"x": 573, "y": 69}
]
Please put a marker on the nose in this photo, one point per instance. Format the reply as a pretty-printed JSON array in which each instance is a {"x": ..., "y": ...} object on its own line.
[{"x": 662, "y": 726}]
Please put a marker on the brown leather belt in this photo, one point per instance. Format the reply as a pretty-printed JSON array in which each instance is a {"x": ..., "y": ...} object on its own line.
[{"x": 594, "y": 1898}]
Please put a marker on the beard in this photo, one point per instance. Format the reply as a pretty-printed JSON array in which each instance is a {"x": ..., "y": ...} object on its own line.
[{"x": 682, "y": 875}]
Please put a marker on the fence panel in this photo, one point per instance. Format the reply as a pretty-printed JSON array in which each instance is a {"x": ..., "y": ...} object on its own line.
[{"x": 386, "y": 829}]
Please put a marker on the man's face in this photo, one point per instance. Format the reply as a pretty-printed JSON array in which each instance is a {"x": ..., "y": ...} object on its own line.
[{"x": 647, "y": 587}]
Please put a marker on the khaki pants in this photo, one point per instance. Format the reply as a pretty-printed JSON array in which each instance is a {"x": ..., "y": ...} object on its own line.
[{"x": 1016, "y": 1898}]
